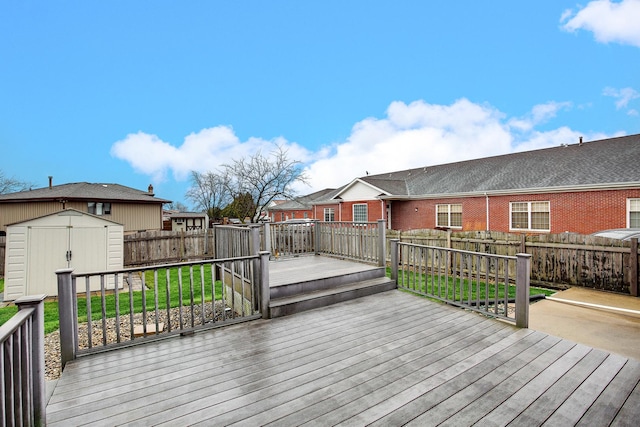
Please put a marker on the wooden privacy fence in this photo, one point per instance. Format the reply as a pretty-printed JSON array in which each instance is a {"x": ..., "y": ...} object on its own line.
[
  {"x": 558, "y": 259},
  {"x": 22, "y": 365},
  {"x": 155, "y": 247}
]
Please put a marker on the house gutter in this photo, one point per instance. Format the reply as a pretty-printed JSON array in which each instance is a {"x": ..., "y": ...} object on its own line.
[{"x": 541, "y": 190}]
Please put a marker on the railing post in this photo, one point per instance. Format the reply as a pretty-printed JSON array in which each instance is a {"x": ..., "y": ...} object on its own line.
[
  {"x": 382, "y": 243},
  {"x": 37, "y": 354},
  {"x": 267, "y": 237},
  {"x": 393, "y": 246},
  {"x": 67, "y": 315},
  {"x": 265, "y": 295},
  {"x": 523, "y": 274},
  {"x": 316, "y": 236}
]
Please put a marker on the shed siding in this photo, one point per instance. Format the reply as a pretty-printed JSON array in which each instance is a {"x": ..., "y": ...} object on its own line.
[{"x": 15, "y": 268}]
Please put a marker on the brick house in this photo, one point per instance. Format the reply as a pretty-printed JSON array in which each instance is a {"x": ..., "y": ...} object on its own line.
[
  {"x": 298, "y": 208},
  {"x": 582, "y": 188}
]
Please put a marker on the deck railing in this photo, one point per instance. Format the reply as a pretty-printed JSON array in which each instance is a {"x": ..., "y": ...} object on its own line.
[
  {"x": 290, "y": 239},
  {"x": 102, "y": 310},
  {"x": 22, "y": 364},
  {"x": 355, "y": 241},
  {"x": 494, "y": 285}
]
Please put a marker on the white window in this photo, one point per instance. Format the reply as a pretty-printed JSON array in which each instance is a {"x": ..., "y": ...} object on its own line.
[
  {"x": 633, "y": 213},
  {"x": 534, "y": 216},
  {"x": 449, "y": 216},
  {"x": 99, "y": 208},
  {"x": 360, "y": 213},
  {"x": 329, "y": 214},
  {"x": 305, "y": 215}
]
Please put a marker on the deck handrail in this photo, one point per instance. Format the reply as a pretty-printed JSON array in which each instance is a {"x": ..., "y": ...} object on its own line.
[
  {"x": 476, "y": 281},
  {"x": 22, "y": 364},
  {"x": 168, "y": 299}
]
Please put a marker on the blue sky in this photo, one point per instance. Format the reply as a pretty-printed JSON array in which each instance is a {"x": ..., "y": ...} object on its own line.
[{"x": 140, "y": 92}]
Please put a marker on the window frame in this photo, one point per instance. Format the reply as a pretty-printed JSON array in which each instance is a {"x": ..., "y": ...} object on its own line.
[
  {"x": 632, "y": 201},
  {"x": 329, "y": 213},
  {"x": 529, "y": 213},
  {"x": 449, "y": 212},
  {"x": 366, "y": 213},
  {"x": 106, "y": 208}
]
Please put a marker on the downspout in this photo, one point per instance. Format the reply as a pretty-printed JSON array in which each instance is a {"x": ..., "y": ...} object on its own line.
[{"x": 486, "y": 200}]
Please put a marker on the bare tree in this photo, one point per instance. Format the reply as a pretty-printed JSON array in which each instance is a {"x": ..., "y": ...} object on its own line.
[
  {"x": 177, "y": 206},
  {"x": 265, "y": 178},
  {"x": 209, "y": 192},
  {"x": 11, "y": 185}
]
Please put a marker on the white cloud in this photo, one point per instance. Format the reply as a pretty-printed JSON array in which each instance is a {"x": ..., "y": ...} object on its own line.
[
  {"x": 624, "y": 95},
  {"x": 609, "y": 21},
  {"x": 410, "y": 135},
  {"x": 204, "y": 151},
  {"x": 540, "y": 113}
]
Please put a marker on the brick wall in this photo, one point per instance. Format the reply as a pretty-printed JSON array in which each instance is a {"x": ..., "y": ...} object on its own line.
[{"x": 578, "y": 212}]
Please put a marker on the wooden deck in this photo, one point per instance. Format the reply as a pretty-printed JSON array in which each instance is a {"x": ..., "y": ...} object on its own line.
[
  {"x": 387, "y": 359},
  {"x": 290, "y": 270}
]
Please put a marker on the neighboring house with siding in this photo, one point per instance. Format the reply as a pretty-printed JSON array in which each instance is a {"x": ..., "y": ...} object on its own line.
[
  {"x": 582, "y": 188},
  {"x": 136, "y": 210}
]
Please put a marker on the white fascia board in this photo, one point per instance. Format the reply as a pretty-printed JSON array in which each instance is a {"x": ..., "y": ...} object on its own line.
[
  {"x": 359, "y": 181},
  {"x": 544, "y": 190}
]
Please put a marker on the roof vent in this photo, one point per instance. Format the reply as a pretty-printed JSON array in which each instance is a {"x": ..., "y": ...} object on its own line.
[
  {"x": 150, "y": 189},
  {"x": 50, "y": 181},
  {"x": 580, "y": 141}
]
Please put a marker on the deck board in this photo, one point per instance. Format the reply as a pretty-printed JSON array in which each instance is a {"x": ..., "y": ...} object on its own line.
[{"x": 385, "y": 359}]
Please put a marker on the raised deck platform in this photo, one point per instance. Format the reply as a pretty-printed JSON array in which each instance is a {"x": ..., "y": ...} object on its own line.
[{"x": 386, "y": 359}]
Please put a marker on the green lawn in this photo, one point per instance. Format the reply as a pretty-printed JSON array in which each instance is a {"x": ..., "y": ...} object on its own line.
[
  {"x": 452, "y": 289},
  {"x": 1, "y": 285},
  {"x": 51, "y": 308}
]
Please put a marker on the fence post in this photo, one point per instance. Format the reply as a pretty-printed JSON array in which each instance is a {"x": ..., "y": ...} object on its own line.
[
  {"x": 316, "y": 236},
  {"x": 267, "y": 237},
  {"x": 37, "y": 354},
  {"x": 394, "y": 259},
  {"x": 382, "y": 242},
  {"x": 265, "y": 295},
  {"x": 67, "y": 315},
  {"x": 523, "y": 273},
  {"x": 633, "y": 268}
]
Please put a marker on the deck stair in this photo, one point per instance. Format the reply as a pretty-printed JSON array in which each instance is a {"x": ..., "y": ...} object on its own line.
[{"x": 329, "y": 285}]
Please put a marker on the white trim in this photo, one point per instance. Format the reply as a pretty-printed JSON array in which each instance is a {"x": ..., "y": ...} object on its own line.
[
  {"x": 529, "y": 217},
  {"x": 547, "y": 190},
  {"x": 629, "y": 199},
  {"x": 353, "y": 212},
  {"x": 358, "y": 181}
]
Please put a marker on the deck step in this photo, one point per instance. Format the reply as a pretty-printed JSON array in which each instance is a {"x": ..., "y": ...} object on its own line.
[
  {"x": 321, "y": 298},
  {"x": 327, "y": 281}
]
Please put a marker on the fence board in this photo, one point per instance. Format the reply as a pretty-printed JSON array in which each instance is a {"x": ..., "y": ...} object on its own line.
[{"x": 565, "y": 259}]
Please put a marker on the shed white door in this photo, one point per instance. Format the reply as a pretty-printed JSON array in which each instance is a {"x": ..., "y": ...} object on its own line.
[{"x": 51, "y": 248}]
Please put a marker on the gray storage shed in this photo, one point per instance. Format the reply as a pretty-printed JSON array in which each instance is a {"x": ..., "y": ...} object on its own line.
[{"x": 36, "y": 248}]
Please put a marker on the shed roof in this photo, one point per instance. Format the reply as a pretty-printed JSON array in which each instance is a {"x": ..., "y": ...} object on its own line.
[{"x": 84, "y": 191}]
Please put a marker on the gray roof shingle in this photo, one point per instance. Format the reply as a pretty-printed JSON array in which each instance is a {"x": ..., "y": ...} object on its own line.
[
  {"x": 608, "y": 162},
  {"x": 84, "y": 191}
]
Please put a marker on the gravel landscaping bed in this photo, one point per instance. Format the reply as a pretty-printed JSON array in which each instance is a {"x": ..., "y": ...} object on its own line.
[{"x": 52, "y": 340}]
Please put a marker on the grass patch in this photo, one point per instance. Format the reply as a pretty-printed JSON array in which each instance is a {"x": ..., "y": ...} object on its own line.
[
  {"x": 454, "y": 289},
  {"x": 1, "y": 285},
  {"x": 51, "y": 322}
]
